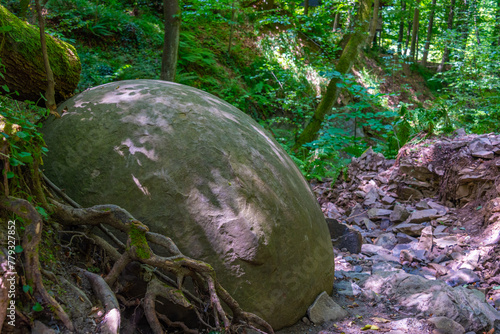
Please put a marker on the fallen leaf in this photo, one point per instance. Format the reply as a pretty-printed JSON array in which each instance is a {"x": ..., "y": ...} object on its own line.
[{"x": 380, "y": 320}]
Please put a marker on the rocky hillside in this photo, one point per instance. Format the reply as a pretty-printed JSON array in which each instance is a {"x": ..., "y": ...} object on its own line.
[{"x": 421, "y": 244}]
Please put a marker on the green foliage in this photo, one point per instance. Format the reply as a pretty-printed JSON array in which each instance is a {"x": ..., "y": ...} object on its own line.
[{"x": 20, "y": 131}]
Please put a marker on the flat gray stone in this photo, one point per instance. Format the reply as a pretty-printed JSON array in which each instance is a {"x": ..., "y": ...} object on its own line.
[
  {"x": 325, "y": 309},
  {"x": 410, "y": 229},
  {"x": 445, "y": 325},
  {"x": 399, "y": 214},
  {"x": 421, "y": 216},
  {"x": 447, "y": 241},
  {"x": 376, "y": 213},
  {"x": 484, "y": 154}
]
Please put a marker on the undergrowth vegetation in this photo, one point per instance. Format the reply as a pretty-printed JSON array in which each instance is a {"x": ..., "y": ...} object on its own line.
[{"x": 276, "y": 71}]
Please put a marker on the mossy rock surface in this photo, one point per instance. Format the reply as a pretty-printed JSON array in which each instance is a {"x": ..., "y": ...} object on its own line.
[
  {"x": 194, "y": 168},
  {"x": 22, "y": 58}
]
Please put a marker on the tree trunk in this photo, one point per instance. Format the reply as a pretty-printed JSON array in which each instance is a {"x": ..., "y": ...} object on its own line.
[
  {"x": 408, "y": 32},
  {"x": 50, "y": 92},
  {"x": 429, "y": 34},
  {"x": 306, "y": 7},
  {"x": 464, "y": 19},
  {"x": 24, "y": 63},
  {"x": 336, "y": 21},
  {"x": 374, "y": 23},
  {"x": 344, "y": 65},
  {"x": 232, "y": 23},
  {"x": 172, "y": 14},
  {"x": 414, "y": 31},
  {"x": 446, "y": 52},
  {"x": 401, "y": 26},
  {"x": 496, "y": 35}
]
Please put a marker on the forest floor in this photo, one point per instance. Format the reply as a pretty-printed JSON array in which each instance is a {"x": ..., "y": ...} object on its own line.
[{"x": 430, "y": 230}]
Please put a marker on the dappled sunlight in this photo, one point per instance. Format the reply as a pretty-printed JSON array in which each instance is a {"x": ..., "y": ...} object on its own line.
[{"x": 144, "y": 190}]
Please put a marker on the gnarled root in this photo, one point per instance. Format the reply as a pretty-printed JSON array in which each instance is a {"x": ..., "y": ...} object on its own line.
[
  {"x": 139, "y": 239},
  {"x": 31, "y": 240},
  {"x": 111, "y": 322}
]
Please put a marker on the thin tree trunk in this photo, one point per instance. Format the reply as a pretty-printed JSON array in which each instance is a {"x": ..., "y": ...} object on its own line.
[
  {"x": 408, "y": 33},
  {"x": 374, "y": 23},
  {"x": 414, "y": 33},
  {"x": 344, "y": 65},
  {"x": 401, "y": 26},
  {"x": 497, "y": 25},
  {"x": 50, "y": 92},
  {"x": 336, "y": 21},
  {"x": 429, "y": 34},
  {"x": 233, "y": 11},
  {"x": 446, "y": 52},
  {"x": 172, "y": 13},
  {"x": 306, "y": 7},
  {"x": 476, "y": 27}
]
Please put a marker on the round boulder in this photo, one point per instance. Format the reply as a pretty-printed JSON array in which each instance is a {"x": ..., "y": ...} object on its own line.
[{"x": 200, "y": 171}]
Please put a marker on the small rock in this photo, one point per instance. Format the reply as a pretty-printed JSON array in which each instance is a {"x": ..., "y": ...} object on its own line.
[
  {"x": 399, "y": 214},
  {"x": 461, "y": 277},
  {"x": 484, "y": 154},
  {"x": 376, "y": 213},
  {"x": 371, "y": 197},
  {"x": 448, "y": 241},
  {"x": 422, "y": 216},
  {"x": 406, "y": 193},
  {"x": 325, "y": 309},
  {"x": 410, "y": 229},
  {"x": 404, "y": 238},
  {"x": 442, "y": 210},
  {"x": 344, "y": 236},
  {"x": 425, "y": 240},
  {"x": 370, "y": 249},
  {"x": 439, "y": 231},
  {"x": 386, "y": 240},
  {"x": 388, "y": 200},
  {"x": 422, "y": 205},
  {"x": 369, "y": 224},
  {"x": 480, "y": 144},
  {"x": 445, "y": 325},
  {"x": 460, "y": 132},
  {"x": 357, "y": 269}
]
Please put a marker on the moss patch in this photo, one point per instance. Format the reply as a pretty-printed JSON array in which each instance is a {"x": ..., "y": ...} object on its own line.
[{"x": 138, "y": 242}]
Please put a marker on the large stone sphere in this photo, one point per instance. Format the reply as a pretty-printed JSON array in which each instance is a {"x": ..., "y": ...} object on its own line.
[{"x": 200, "y": 171}]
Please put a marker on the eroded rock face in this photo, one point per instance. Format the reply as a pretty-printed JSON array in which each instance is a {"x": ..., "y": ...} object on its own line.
[{"x": 195, "y": 168}]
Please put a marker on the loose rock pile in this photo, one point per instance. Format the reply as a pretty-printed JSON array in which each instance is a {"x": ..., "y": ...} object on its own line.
[{"x": 430, "y": 228}]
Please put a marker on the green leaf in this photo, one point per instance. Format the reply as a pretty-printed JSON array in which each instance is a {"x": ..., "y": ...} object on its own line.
[
  {"x": 5, "y": 88},
  {"x": 27, "y": 289},
  {"x": 10, "y": 175},
  {"x": 18, "y": 249},
  {"x": 14, "y": 162},
  {"x": 42, "y": 212},
  {"x": 25, "y": 157},
  {"x": 22, "y": 134},
  {"x": 37, "y": 307}
]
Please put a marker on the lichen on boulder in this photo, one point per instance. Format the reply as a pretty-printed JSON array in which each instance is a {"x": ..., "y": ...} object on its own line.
[{"x": 196, "y": 169}]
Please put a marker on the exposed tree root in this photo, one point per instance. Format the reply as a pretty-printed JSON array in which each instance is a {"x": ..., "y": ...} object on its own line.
[
  {"x": 138, "y": 249},
  {"x": 112, "y": 318},
  {"x": 31, "y": 240}
]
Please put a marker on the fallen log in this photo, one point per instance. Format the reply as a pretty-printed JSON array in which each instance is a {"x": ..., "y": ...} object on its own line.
[{"x": 22, "y": 61}]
